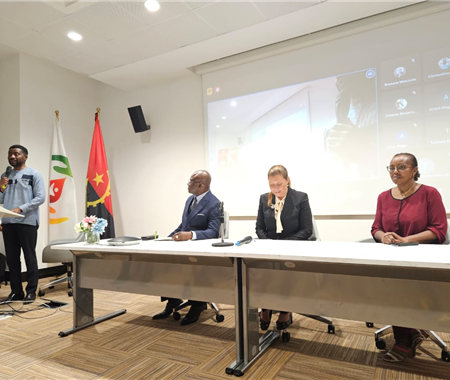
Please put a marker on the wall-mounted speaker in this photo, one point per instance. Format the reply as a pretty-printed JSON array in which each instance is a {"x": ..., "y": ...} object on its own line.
[{"x": 138, "y": 119}]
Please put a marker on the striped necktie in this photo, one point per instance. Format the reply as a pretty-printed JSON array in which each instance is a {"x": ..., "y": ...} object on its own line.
[{"x": 193, "y": 204}]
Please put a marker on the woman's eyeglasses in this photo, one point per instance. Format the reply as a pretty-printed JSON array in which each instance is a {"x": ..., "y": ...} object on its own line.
[{"x": 400, "y": 168}]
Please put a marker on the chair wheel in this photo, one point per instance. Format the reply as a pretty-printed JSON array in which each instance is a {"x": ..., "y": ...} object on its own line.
[
  {"x": 380, "y": 343},
  {"x": 445, "y": 355},
  {"x": 70, "y": 293},
  {"x": 369, "y": 324},
  {"x": 41, "y": 293},
  {"x": 331, "y": 329},
  {"x": 220, "y": 318},
  {"x": 286, "y": 336},
  {"x": 176, "y": 316}
]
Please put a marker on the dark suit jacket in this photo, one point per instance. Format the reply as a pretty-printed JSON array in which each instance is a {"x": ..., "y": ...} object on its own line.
[
  {"x": 204, "y": 219},
  {"x": 296, "y": 217}
]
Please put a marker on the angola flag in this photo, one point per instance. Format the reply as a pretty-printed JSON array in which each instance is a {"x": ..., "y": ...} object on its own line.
[{"x": 98, "y": 188}]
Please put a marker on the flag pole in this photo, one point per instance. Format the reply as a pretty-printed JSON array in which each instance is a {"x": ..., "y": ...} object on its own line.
[
  {"x": 98, "y": 113},
  {"x": 57, "y": 114}
]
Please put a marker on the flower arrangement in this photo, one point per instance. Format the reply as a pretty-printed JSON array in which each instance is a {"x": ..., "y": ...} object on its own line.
[{"x": 93, "y": 227}]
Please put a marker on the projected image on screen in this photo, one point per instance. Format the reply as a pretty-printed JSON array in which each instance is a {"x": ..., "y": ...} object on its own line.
[
  {"x": 322, "y": 119},
  {"x": 326, "y": 119}
]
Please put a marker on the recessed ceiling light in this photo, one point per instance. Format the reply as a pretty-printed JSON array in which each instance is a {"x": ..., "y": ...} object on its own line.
[
  {"x": 75, "y": 36},
  {"x": 152, "y": 5}
]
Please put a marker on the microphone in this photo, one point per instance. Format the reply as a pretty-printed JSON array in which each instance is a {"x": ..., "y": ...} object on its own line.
[
  {"x": 246, "y": 240},
  {"x": 222, "y": 222},
  {"x": 8, "y": 172}
]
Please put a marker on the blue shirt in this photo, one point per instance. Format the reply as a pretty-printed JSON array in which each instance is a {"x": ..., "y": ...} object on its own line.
[{"x": 25, "y": 190}]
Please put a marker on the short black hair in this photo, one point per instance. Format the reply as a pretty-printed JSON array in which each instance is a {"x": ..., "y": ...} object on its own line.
[{"x": 21, "y": 147}]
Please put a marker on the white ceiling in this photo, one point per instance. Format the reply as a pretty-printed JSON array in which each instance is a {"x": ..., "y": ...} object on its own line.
[{"x": 128, "y": 47}]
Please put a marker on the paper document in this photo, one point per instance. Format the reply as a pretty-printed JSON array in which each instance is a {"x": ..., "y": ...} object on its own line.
[{"x": 5, "y": 212}]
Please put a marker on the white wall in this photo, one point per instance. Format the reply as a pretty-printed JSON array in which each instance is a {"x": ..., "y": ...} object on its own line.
[
  {"x": 9, "y": 112},
  {"x": 9, "y": 106},
  {"x": 150, "y": 170}
]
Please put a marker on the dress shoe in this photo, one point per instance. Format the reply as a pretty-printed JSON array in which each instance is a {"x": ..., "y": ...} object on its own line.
[
  {"x": 30, "y": 297},
  {"x": 192, "y": 315},
  {"x": 263, "y": 324},
  {"x": 284, "y": 325},
  {"x": 14, "y": 297},
  {"x": 168, "y": 310}
]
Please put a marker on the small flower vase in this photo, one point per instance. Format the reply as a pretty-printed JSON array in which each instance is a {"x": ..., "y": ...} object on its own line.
[{"x": 92, "y": 237}]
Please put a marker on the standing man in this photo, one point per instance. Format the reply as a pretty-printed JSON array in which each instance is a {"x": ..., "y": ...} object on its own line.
[
  {"x": 22, "y": 192},
  {"x": 200, "y": 220}
]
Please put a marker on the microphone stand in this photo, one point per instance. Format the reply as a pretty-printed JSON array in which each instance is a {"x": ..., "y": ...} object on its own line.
[{"x": 222, "y": 222}]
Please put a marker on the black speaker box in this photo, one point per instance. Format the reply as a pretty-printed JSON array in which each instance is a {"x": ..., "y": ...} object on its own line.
[{"x": 138, "y": 119}]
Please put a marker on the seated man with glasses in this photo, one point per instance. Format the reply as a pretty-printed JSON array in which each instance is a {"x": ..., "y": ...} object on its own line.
[
  {"x": 409, "y": 212},
  {"x": 200, "y": 220}
]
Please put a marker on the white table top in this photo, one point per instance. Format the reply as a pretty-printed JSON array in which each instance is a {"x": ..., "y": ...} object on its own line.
[{"x": 421, "y": 256}]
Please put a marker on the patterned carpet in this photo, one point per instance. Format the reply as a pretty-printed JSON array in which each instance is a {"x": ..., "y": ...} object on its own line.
[{"x": 133, "y": 346}]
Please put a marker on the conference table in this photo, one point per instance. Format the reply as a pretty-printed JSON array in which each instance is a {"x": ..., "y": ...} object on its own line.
[{"x": 404, "y": 286}]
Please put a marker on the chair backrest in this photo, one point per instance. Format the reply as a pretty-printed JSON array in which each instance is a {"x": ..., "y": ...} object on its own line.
[
  {"x": 226, "y": 224},
  {"x": 50, "y": 255},
  {"x": 315, "y": 235}
]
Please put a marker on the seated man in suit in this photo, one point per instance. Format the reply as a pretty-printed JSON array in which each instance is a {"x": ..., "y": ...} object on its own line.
[{"x": 200, "y": 220}]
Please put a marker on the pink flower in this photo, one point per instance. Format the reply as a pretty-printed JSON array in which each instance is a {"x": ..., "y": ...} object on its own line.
[{"x": 90, "y": 220}]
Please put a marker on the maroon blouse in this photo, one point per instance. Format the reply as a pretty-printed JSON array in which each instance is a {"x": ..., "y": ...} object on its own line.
[{"x": 419, "y": 212}]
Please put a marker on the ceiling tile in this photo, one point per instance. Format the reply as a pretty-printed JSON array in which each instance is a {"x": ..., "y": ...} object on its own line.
[
  {"x": 59, "y": 30},
  {"x": 278, "y": 8},
  {"x": 185, "y": 30},
  {"x": 33, "y": 14},
  {"x": 85, "y": 63},
  {"x": 148, "y": 42},
  {"x": 168, "y": 10},
  {"x": 198, "y": 4},
  {"x": 118, "y": 55},
  {"x": 109, "y": 19},
  {"x": 225, "y": 16},
  {"x": 10, "y": 31},
  {"x": 40, "y": 46}
]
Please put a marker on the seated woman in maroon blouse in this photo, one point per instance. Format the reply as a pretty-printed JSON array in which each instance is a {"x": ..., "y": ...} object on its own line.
[{"x": 409, "y": 212}]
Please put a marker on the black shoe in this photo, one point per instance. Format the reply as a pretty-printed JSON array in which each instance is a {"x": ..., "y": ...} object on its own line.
[
  {"x": 284, "y": 325},
  {"x": 263, "y": 324},
  {"x": 168, "y": 310},
  {"x": 193, "y": 314},
  {"x": 14, "y": 297},
  {"x": 30, "y": 297}
]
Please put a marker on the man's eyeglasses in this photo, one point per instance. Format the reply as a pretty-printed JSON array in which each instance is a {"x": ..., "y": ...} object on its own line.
[
  {"x": 190, "y": 181},
  {"x": 400, "y": 168}
]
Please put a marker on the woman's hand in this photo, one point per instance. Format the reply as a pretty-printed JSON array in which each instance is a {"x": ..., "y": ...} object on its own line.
[{"x": 392, "y": 237}]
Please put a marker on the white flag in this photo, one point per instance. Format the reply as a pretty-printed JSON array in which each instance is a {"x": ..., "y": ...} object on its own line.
[{"x": 63, "y": 210}]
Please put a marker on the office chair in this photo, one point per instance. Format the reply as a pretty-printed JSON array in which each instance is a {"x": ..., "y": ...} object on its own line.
[
  {"x": 381, "y": 343},
  {"x": 285, "y": 335},
  {"x": 59, "y": 256},
  {"x": 219, "y": 317}
]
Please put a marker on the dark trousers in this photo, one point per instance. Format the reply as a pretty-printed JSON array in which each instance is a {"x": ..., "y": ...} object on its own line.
[
  {"x": 23, "y": 237},
  {"x": 174, "y": 301}
]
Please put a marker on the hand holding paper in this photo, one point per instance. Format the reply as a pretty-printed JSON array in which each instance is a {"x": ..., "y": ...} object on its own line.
[{"x": 5, "y": 212}]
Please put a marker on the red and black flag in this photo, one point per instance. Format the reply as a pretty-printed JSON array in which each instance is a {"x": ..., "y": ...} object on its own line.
[{"x": 98, "y": 188}]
